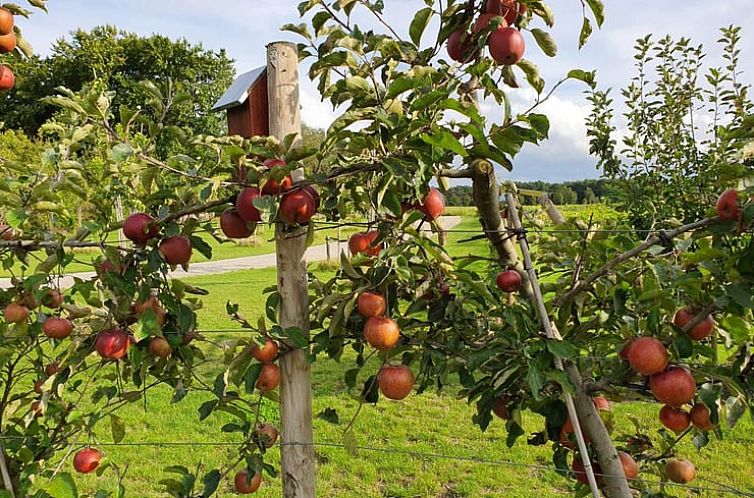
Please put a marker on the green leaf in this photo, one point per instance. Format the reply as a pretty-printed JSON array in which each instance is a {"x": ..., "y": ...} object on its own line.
[
  {"x": 62, "y": 486},
  {"x": 392, "y": 201},
  {"x": 121, "y": 153},
  {"x": 536, "y": 380},
  {"x": 532, "y": 74},
  {"x": 545, "y": 41},
  {"x": 206, "y": 409},
  {"x": 211, "y": 482},
  {"x": 587, "y": 77},
  {"x": 445, "y": 140},
  {"x": 586, "y": 32},
  {"x": 562, "y": 349},
  {"x": 598, "y": 9},
  {"x": 735, "y": 407},
  {"x": 419, "y": 24},
  {"x": 118, "y": 428},
  {"x": 298, "y": 337}
]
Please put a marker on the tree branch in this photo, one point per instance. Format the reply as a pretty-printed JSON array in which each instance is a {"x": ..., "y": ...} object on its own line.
[
  {"x": 456, "y": 173},
  {"x": 608, "y": 267}
]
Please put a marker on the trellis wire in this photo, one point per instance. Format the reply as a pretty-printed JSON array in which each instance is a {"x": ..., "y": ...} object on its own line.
[{"x": 719, "y": 488}]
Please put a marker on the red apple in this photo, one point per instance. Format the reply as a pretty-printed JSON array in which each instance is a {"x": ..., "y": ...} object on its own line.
[
  {"x": 566, "y": 431},
  {"x": 265, "y": 354},
  {"x": 6, "y": 232},
  {"x": 269, "y": 377},
  {"x": 500, "y": 408},
  {"x": 507, "y": 46},
  {"x": 38, "y": 386},
  {"x": 272, "y": 186},
  {"x": 6, "y": 21},
  {"x": 630, "y": 467},
  {"x": 680, "y": 471},
  {"x": 460, "y": 47},
  {"x": 245, "y": 205},
  {"x": 648, "y": 356},
  {"x": 358, "y": 243},
  {"x": 579, "y": 471},
  {"x": 233, "y": 226},
  {"x": 371, "y": 304},
  {"x": 511, "y": 10},
  {"x": 700, "y": 331},
  {"x": 700, "y": 417},
  {"x": 7, "y": 82},
  {"x": 53, "y": 298},
  {"x": 509, "y": 281},
  {"x": 37, "y": 408},
  {"x": 246, "y": 485},
  {"x": 381, "y": 333},
  {"x": 675, "y": 419},
  {"x": 57, "y": 328},
  {"x": 266, "y": 434},
  {"x": 151, "y": 303},
  {"x": 139, "y": 228},
  {"x": 395, "y": 381},
  {"x": 483, "y": 23},
  {"x": 373, "y": 249},
  {"x": 297, "y": 207},
  {"x": 674, "y": 387},
  {"x": 433, "y": 204},
  {"x": 52, "y": 369},
  {"x": 176, "y": 250},
  {"x": 602, "y": 404},
  {"x": 727, "y": 206},
  {"x": 16, "y": 313},
  {"x": 86, "y": 460},
  {"x": 113, "y": 344},
  {"x": 159, "y": 347}
]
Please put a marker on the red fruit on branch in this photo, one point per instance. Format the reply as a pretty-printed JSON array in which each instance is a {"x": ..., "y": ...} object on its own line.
[
  {"x": 512, "y": 11},
  {"x": 680, "y": 471},
  {"x": 113, "y": 344},
  {"x": 727, "y": 206},
  {"x": 272, "y": 186},
  {"x": 395, "y": 381},
  {"x": 500, "y": 408},
  {"x": 602, "y": 404},
  {"x": 483, "y": 23},
  {"x": 57, "y": 328},
  {"x": 700, "y": 417},
  {"x": 38, "y": 386},
  {"x": 7, "y": 82},
  {"x": 648, "y": 356},
  {"x": 8, "y": 43},
  {"x": 509, "y": 281},
  {"x": 460, "y": 47},
  {"x": 507, "y": 46},
  {"x": 267, "y": 434},
  {"x": 37, "y": 408},
  {"x": 371, "y": 304},
  {"x": 16, "y": 313},
  {"x": 566, "y": 433},
  {"x": 6, "y": 21},
  {"x": 265, "y": 354},
  {"x": 6, "y": 232},
  {"x": 373, "y": 249},
  {"x": 358, "y": 243},
  {"x": 233, "y": 226},
  {"x": 700, "y": 331},
  {"x": 245, "y": 205},
  {"x": 297, "y": 207},
  {"x": 87, "y": 460},
  {"x": 630, "y": 467},
  {"x": 269, "y": 377},
  {"x": 579, "y": 471},
  {"x": 246, "y": 485},
  {"x": 674, "y": 387},
  {"x": 433, "y": 204},
  {"x": 382, "y": 333},
  {"x": 151, "y": 303},
  {"x": 139, "y": 228},
  {"x": 160, "y": 347},
  {"x": 53, "y": 298},
  {"x": 176, "y": 250},
  {"x": 52, "y": 369},
  {"x": 675, "y": 419}
]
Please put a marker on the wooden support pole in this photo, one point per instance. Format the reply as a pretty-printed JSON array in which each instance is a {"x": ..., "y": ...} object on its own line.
[
  {"x": 297, "y": 452},
  {"x": 551, "y": 335}
]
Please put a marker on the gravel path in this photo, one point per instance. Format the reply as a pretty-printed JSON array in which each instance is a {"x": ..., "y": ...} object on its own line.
[{"x": 313, "y": 254}]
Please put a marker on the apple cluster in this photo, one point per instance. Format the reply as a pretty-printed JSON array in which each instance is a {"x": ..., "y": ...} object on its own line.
[
  {"x": 495, "y": 27},
  {"x": 8, "y": 44}
]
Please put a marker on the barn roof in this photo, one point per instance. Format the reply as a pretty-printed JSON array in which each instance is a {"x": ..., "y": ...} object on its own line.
[{"x": 239, "y": 90}]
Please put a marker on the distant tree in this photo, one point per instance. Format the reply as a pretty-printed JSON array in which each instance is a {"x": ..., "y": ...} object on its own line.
[
  {"x": 121, "y": 60},
  {"x": 589, "y": 197},
  {"x": 565, "y": 195},
  {"x": 459, "y": 196}
]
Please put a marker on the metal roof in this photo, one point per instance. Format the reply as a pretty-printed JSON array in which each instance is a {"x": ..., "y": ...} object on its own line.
[{"x": 239, "y": 90}]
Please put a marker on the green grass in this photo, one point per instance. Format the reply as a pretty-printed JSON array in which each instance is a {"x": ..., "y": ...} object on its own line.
[{"x": 431, "y": 423}]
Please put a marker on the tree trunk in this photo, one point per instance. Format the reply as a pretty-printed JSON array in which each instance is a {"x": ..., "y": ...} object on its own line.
[
  {"x": 297, "y": 452},
  {"x": 486, "y": 195}
]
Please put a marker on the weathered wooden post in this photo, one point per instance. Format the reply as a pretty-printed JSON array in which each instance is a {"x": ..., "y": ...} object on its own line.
[{"x": 297, "y": 452}]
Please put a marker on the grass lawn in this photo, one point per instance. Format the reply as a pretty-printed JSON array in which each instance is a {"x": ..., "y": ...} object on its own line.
[{"x": 427, "y": 423}]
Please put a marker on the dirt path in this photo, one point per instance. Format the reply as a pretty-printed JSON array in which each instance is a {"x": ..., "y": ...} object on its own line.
[{"x": 313, "y": 254}]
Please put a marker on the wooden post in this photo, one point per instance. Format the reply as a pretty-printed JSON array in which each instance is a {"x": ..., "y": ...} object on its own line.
[
  {"x": 297, "y": 451},
  {"x": 327, "y": 246},
  {"x": 552, "y": 335}
]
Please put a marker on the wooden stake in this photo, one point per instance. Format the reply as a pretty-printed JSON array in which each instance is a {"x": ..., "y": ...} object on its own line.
[
  {"x": 297, "y": 452},
  {"x": 7, "y": 482},
  {"x": 552, "y": 335}
]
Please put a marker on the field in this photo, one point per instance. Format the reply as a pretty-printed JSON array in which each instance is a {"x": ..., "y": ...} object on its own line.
[{"x": 436, "y": 425}]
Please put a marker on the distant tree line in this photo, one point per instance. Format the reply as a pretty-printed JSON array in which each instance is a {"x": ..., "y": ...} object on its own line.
[{"x": 576, "y": 192}]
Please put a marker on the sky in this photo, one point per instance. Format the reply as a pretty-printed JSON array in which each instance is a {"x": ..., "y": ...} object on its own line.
[{"x": 244, "y": 27}]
